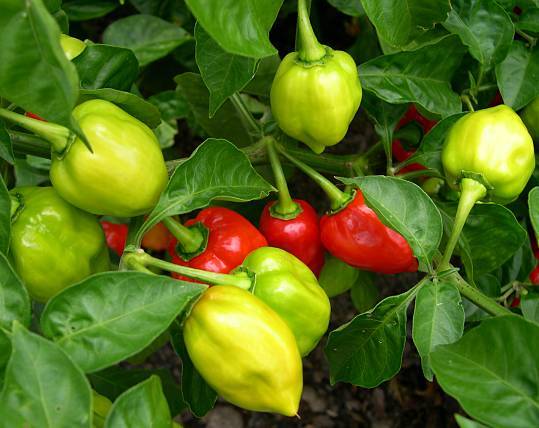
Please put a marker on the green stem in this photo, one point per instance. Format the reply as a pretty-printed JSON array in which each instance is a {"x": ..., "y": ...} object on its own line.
[
  {"x": 189, "y": 239},
  {"x": 531, "y": 40},
  {"x": 245, "y": 115},
  {"x": 466, "y": 100},
  {"x": 415, "y": 174},
  {"x": 29, "y": 144},
  {"x": 15, "y": 205},
  {"x": 140, "y": 258},
  {"x": 337, "y": 198},
  {"x": 285, "y": 207},
  {"x": 310, "y": 49},
  {"x": 471, "y": 192},
  {"x": 59, "y": 137}
]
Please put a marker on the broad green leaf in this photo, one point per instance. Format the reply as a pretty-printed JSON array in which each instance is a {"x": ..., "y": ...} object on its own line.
[
  {"x": 404, "y": 207},
  {"x": 349, "y": 7},
  {"x": 438, "y": 320},
  {"x": 337, "y": 277},
  {"x": 171, "y": 10},
  {"x": 113, "y": 381},
  {"x": 467, "y": 423},
  {"x": 492, "y": 372},
  {"x": 240, "y": 27},
  {"x": 172, "y": 107},
  {"x": 82, "y": 10},
  {"x": 6, "y": 147},
  {"x": 215, "y": 171},
  {"x": 490, "y": 285},
  {"x": 5, "y": 353},
  {"x": 143, "y": 405},
  {"x": 226, "y": 123},
  {"x": 364, "y": 292},
  {"x": 5, "y": 218},
  {"x": 422, "y": 76},
  {"x": 103, "y": 66},
  {"x": 484, "y": 27},
  {"x": 400, "y": 21},
  {"x": 143, "y": 110},
  {"x": 34, "y": 71},
  {"x": 368, "y": 350},
  {"x": 529, "y": 303},
  {"x": 519, "y": 266},
  {"x": 260, "y": 85},
  {"x": 14, "y": 300},
  {"x": 529, "y": 20},
  {"x": 533, "y": 205},
  {"x": 517, "y": 75},
  {"x": 223, "y": 73},
  {"x": 198, "y": 395},
  {"x": 149, "y": 37},
  {"x": 42, "y": 386},
  {"x": 112, "y": 316}
]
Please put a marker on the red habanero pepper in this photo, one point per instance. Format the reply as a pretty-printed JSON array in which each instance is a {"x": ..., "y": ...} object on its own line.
[
  {"x": 299, "y": 236},
  {"x": 356, "y": 235},
  {"x": 116, "y": 235},
  {"x": 157, "y": 239},
  {"x": 534, "y": 276},
  {"x": 228, "y": 238}
]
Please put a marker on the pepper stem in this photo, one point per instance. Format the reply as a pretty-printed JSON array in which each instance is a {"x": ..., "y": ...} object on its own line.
[
  {"x": 189, "y": 239},
  {"x": 139, "y": 258},
  {"x": 310, "y": 49},
  {"x": 58, "y": 136},
  {"x": 15, "y": 205},
  {"x": 471, "y": 192},
  {"x": 285, "y": 208},
  {"x": 336, "y": 197}
]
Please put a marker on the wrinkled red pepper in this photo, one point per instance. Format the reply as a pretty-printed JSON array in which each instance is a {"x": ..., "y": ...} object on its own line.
[
  {"x": 299, "y": 236},
  {"x": 116, "y": 235},
  {"x": 356, "y": 235},
  {"x": 230, "y": 238}
]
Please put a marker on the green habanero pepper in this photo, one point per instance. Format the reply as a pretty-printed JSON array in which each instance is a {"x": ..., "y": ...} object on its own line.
[
  {"x": 290, "y": 288},
  {"x": 530, "y": 116},
  {"x": 53, "y": 244},
  {"x": 316, "y": 91},
  {"x": 491, "y": 146},
  {"x": 72, "y": 47},
  {"x": 244, "y": 350},
  {"x": 125, "y": 174}
]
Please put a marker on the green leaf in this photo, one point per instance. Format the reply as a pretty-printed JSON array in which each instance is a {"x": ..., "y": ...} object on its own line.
[
  {"x": 14, "y": 300},
  {"x": 215, "y": 171},
  {"x": 490, "y": 285},
  {"x": 5, "y": 353},
  {"x": 34, "y": 71},
  {"x": 438, "y": 320},
  {"x": 149, "y": 37},
  {"x": 529, "y": 20},
  {"x": 519, "y": 266},
  {"x": 42, "y": 386},
  {"x": 492, "y": 372},
  {"x": 112, "y": 316},
  {"x": 226, "y": 123},
  {"x": 143, "y": 405},
  {"x": 364, "y": 292},
  {"x": 5, "y": 217},
  {"x": 103, "y": 66},
  {"x": 517, "y": 75},
  {"x": 223, "y": 73},
  {"x": 404, "y": 207},
  {"x": 467, "y": 423},
  {"x": 422, "y": 76},
  {"x": 349, "y": 7},
  {"x": 368, "y": 350},
  {"x": 6, "y": 147},
  {"x": 484, "y": 27},
  {"x": 533, "y": 206},
  {"x": 260, "y": 85},
  {"x": 529, "y": 303},
  {"x": 143, "y": 110},
  {"x": 240, "y": 27},
  {"x": 400, "y": 21},
  {"x": 113, "y": 381},
  {"x": 82, "y": 10}
]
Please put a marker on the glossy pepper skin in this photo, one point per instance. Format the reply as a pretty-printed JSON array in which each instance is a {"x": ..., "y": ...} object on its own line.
[
  {"x": 356, "y": 235},
  {"x": 101, "y": 408},
  {"x": 54, "y": 244},
  {"x": 244, "y": 350},
  {"x": 494, "y": 143},
  {"x": 116, "y": 235},
  {"x": 157, "y": 239},
  {"x": 125, "y": 174},
  {"x": 289, "y": 287},
  {"x": 72, "y": 47},
  {"x": 314, "y": 102},
  {"x": 230, "y": 238},
  {"x": 530, "y": 117},
  {"x": 299, "y": 236}
]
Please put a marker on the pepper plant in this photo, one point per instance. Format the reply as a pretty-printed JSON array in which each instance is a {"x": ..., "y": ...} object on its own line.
[{"x": 216, "y": 251}]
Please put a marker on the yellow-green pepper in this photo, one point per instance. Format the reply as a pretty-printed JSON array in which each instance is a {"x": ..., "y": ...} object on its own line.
[
  {"x": 72, "y": 47},
  {"x": 123, "y": 176},
  {"x": 493, "y": 147},
  {"x": 53, "y": 244},
  {"x": 530, "y": 116},
  {"x": 244, "y": 350},
  {"x": 101, "y": 408}
]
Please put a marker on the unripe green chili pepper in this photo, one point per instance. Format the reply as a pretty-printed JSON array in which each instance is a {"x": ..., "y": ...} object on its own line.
[
  {"x": 53, "y": 244},
  {"x": 244, "y": 350},
  {"x": 530, "y": 116},
  {"x": 101, "y": 408},
  {"x": 316, "y": 91},
  {"x": 72, "y": 47}
]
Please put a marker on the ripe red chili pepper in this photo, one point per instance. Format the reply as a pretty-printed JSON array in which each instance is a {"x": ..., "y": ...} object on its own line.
[
  {"x": 34, "y": 116},
  {"x": 230, "y": 238},
  {"x": 534, "y": 276},
  {"x": 299, "y": 236},
  {"x": 116, "y": 235},
  {"x": 516, "y": 302},
  {"x": 158, "y": 238},
  {"x": 356, "y": 235}
]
